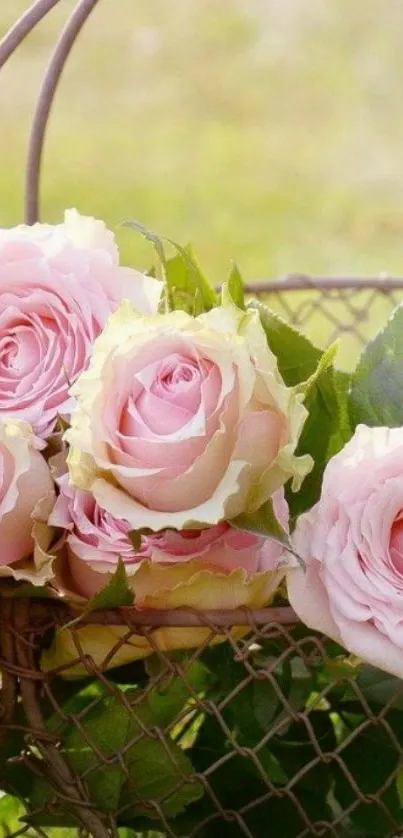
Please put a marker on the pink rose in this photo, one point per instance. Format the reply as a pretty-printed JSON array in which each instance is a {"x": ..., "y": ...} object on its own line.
[
  {"x": 58, "y": 286},
  {"x": 217, "y": 568},
  {"x": 26, "y": 491},
  {"x": 183, "y": 421},
  {"x": 96, "y": 541},
  {"x": 352, "y": 543}
]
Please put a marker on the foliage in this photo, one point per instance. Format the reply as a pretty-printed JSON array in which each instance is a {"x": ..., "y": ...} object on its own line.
[
  {"x": 253, "y": 711},
  {"x": 377, "y": 382},
  {"x": 326, "y": 399}
]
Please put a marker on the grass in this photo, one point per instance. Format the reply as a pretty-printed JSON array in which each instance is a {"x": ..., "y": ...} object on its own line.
[{"x": 268, "y": 131}]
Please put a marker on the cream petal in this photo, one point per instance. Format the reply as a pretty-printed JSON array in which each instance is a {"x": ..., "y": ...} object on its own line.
[
  {"x": 97, "y": 642},
  {"x": 228, "y": 501},
  {"x": 193, "y": 585}
]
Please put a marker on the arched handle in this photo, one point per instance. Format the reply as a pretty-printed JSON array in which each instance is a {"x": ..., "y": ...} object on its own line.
[
  {"x": 8, "y": 45},
  {"x": 23, "y": 26},
  {"x": 46, "y": 96}
]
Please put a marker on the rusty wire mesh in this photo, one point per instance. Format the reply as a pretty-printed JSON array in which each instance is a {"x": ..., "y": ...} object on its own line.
[
  {"x": 234, "y": 804},
  {"x": 236, "y": 707},
  {"x": 325, "y": 309}
]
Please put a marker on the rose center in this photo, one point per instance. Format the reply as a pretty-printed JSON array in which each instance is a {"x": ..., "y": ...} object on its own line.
[
  {"x": 178, "y": 376},
  {"x": 9, "y": 353},
  {"x": 396, "y": 545},
  {"x": 18, "y": 353}
]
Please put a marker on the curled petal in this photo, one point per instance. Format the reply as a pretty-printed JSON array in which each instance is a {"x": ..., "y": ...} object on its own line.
[
  {"x": 188, "y": 585},
  {"x": 184, "y": 421},
  {"x": 59, "y": 284},
  {"x": 351, "y": 544}
]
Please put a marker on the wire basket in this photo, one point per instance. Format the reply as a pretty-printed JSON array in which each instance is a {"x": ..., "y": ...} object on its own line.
[
  {"x": 262, "y": 729},
  {"x": 277, "y": 686}
]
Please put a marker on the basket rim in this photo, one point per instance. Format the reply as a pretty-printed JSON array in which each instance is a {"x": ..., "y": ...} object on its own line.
[{"x": 43, "y": 611}]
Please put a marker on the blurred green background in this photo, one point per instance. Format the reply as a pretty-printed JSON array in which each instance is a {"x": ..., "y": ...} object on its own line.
[
  {"x": 267, "y": 131},
  {"x": 270, "y": 131}
]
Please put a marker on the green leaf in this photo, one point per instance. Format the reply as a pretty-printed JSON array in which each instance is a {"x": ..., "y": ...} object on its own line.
[
  {"x": 107, "y": 729},
  {"x": 265, "y": 703},
  {"x": 115, "y": 594},
  {"x": 235, "y": 287},
  {"x": 156, "y": 775},
  {"x": 302, "y": 364},
  {"x": 371, "y": 760},
  {"x": 14, "y": 816},
  {"x": 295, "y": 749},
  {"x": 154, "y": 768},
  {"x": 301, "y": 684},
  {"x": 149, "y": 236},
  {"x": 135, "y": 538},
  {"x": 185, "y": 285},
  {"x": 26, "y": 589},
  {"x": 255, "y": 704},
  {"x": 377, "y": 383},
  {"x": 168, "y": 698},
  {"x": 198, "y": 306},
  {"x": 189, "y": 289},
  {"x": 297, "y": 357},
  {"x": 378, "y": 688},
  {"x": 338, "y": 669},
  {"x": 264, "y": 522},
  {"x": 325, "y": 362},
  {"x": 324, "y": 434},
  {"x": 238, "y": 784},
  {"x": 271, "y": 766},
  {"x": 11, "y": 810}
]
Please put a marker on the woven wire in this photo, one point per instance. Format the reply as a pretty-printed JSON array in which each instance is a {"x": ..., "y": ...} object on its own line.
[
  {"x": 350, "y": 309},
  {"x": 30, "y": 701},
  {"x": 69, "y": 792}
]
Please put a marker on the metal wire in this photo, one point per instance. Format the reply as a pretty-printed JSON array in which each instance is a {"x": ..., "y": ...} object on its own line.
[
  {"x": 56, "y": 65},
  {"x": 302, "y": 282},
  {"x": 14, "y": 37},
  {"x": 72, "y": 792}
]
